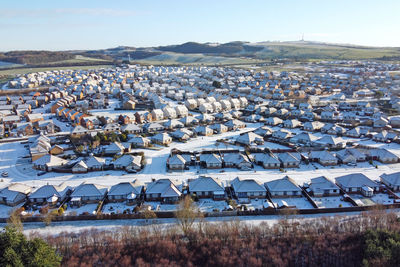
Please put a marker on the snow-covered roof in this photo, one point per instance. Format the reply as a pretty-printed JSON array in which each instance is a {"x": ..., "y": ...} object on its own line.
[
  {"x": 247, "y": 185},
  {"x": 47, "y": 191},
  {"x": 89, "y": 190},
  {"x": 392, "y": 178},
  {"x": 125, "y": 188},
  {"x": 355, "y": 180},
  {"x": 205, "y": 184},
  {"x": 284, "y": 184},
  {"x": 322, "y": 183}
]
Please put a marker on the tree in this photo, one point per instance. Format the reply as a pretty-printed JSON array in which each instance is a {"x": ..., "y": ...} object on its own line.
[
  {"x": 16, "y": 250},
  {"x": 14, "y": 220},
  {"x": 216, "y": 84},
  {"x": 186, "y": 214}
]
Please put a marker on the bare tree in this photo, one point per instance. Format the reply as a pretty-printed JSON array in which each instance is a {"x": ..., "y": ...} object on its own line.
[
  {"x": 14, "y": 220},
  {"x": 186, "y": 214}
]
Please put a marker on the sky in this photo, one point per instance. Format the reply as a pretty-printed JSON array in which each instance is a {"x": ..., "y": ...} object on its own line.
[{"x": 97, "y": 24}]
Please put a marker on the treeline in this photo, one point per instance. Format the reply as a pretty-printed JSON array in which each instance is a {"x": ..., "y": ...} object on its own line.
[
  {"x": 35, "y": 57},
  {"x": 370, "y": 239},
  {"x": 193, "y": 47}
]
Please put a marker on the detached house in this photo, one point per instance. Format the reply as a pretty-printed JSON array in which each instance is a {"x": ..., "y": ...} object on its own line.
[
  {"x": 163, "y": 190},
  {"x": 50, "y": 194},
  {"x": 356, "y": 183},
  {"x": 322, "y": 186},
  {"x": 391, "y": 180},
  {"x": 283, "y": 187},
  {"x": 125, "y": 191},
  {"x": 14, "y": 194},
  {"x": 88, "y": 193},
  {"x": 248, "y": 188},
  {"x": 207, "y": 187}
]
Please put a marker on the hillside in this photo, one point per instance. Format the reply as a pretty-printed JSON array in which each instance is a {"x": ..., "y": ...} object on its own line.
[{"x": 204, "y": 53}]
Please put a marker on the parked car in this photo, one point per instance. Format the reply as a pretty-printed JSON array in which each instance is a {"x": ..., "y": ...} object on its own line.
[{"x": 4, "y": 174}]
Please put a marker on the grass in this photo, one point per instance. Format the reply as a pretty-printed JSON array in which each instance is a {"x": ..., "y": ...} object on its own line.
[{"x": 18, "y": 71}]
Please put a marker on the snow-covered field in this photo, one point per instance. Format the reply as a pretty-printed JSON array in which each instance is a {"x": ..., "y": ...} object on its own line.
[
  {"x": 331, "y": 202},
  {"x": 89, "y": 208},
  {"x": 117, "y": 208},
  {"x": 298, "y": 202}
]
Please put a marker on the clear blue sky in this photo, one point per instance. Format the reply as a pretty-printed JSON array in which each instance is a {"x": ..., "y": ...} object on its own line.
[{"x": 93, "y": 24}]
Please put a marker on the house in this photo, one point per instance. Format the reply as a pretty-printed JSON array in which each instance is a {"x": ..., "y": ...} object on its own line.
[
  {"x": 128, "y": 162},
  {"x": 384, "y": 136},
  {"x": 178, "y": 162},
  {"x": 237, "y": 160},
  {"x": 304, "y": 138},
  {"x": 219, "y": 128},
  {"x": 324, "y": 157},
  {"x": 273, "y": 121},
  {"x": 322, "y": 186},
  {"x": 111, "y": 128},
  {"x": 181, "y": 111},
  {"x": 153, "y": 127},
  {"x": 161, "y": 139},
  {"x": 330, "y": 141},
  {"x": 211, "y": 161},
  {"x": 289, "y": 159},
  {"x": 129, "y": 105},
  {"x": 189, "y": 120},
  {"x": 203, "y": 130},
  {"x": 88, "y": 193},
  {"x": 95, "y": 163},
  {"x": 234, "y": 124},
  {"x": 80, "y": 167},
  {"x": 283, "y": 187},
  {"x": 79, "y": 131},
  {"x": 249, "y": 138},
  {"x": 282, "y": 134},
  {"x": 169, "y": 112},
  {"x": 392, "y": 180},
  {"x": 131, "y": 128},
  {"x": 383, "y": 155},
  {"x": 157, "y": 114},
  {"x": 115, "y": 148},
  {"x": 313, "y": 126},
  {"x": 50, "y": 194},
  {"x": 353, "y": 183},
  {"x": 172, "y": 124},
  {"x": 291, "y": 124},
  {"x": 206, "y": 187},
  {"x": 163, "y": 190},
  {"x": 125, "y": 191},
  {"x": 14, "y": 194},
  {"x": 247, "y": 188},
  {"x": 139, "y": 141},
  {"x": 48, "y": 162},
  {"x": 182, "y": 134},
  {"x": 268, "y": 161}
]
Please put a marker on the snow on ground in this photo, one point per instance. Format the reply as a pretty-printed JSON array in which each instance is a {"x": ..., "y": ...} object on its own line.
[
  {"x": 111, "y": 225},
  {"x": 117, "y": 208},
  {"x": 157, "y": 206},
  {"x": 375, "y": 199},
  {"x": 89, "y": 208},
  {"x": 256, "y": 204},
  {"x": 298, "y": 202},
  {"x": 6, "y": 210},
  {"x": 209, "y": 205},
  {"x": 331, "y": 202}
]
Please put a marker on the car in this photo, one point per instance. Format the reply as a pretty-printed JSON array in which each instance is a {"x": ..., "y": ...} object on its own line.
[
  {"x": 351, "y": 164},
  {"x": 41, "y": 173},
  {"x": 4, "y": 174}
]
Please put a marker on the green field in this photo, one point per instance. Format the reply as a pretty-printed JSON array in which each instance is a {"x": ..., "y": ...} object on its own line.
[{"x": 14, "y": 72}]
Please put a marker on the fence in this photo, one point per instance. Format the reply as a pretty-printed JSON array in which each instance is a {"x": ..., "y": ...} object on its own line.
[{"x": 171, "y": 214}]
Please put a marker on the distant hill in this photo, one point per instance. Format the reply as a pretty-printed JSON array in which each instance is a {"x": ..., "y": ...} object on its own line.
[
  {"x": 34, "y": 57},
  {"x": 206, "y": 53}
]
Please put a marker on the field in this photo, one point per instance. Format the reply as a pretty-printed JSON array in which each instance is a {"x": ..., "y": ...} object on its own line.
[{"x": 29, "y": 70}]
